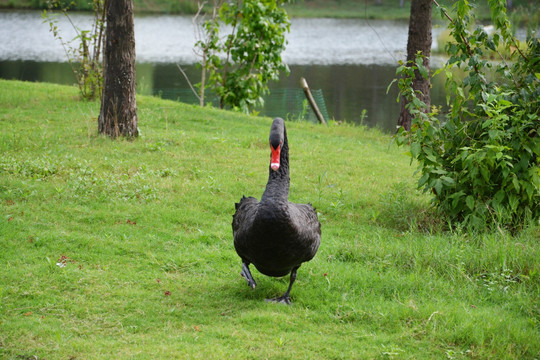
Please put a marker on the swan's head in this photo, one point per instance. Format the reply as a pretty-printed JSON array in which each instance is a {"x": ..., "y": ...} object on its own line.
[{"x": 277, "y": 135}]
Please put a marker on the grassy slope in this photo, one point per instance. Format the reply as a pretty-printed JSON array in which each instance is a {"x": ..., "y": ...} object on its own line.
[{"x": 150, "y": 267}]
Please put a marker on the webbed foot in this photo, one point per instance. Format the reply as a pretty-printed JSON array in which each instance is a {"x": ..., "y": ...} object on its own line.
[
  {"x": 285, "y": 299},
  {"x": 246, "y": 274}
]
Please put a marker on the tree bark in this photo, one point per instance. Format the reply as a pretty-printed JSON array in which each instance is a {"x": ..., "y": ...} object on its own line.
[
  {"x": 419, "y": 40},
  {"x": 118, "y": 115}
]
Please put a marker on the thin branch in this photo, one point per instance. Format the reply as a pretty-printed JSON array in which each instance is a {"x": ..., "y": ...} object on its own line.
[
  {"x": 71, "y": 22},
  {"x": 102, "y": 25},
  {"x": 445, "y": 13},
  {"x": 519, "y": 50},
  {"x": 376, "y": 33},
  {"x": 203, "y": 41},
  {"x": 196, "y": 29},
  {"x": 226, "y": 67},
  {"x": 254, "y": 58},
  {"x": 189, "y": 82}
]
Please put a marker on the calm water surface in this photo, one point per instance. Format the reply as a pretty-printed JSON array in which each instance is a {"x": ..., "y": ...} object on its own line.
[{"x": 351, "y": 61}]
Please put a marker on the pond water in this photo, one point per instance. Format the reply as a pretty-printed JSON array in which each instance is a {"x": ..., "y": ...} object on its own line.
[{"x": 350, "y": 61}]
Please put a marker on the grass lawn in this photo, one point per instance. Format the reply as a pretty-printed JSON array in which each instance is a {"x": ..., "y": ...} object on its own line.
[{"x": 123, "y": 249}]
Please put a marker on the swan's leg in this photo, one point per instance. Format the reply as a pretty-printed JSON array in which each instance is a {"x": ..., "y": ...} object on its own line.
[
  {"x": 285, "y": 299},
  {"x": 247, "y": 275}
]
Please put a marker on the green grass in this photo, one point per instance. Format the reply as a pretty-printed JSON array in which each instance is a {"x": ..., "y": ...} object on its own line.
[{"x": 151, "y": 273}]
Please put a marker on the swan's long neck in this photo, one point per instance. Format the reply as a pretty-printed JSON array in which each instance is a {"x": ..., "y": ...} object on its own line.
[{"x": 277, "y": 188}]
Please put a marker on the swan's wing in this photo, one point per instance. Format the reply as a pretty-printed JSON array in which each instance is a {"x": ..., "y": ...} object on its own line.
[
  {"x": 305, "y": 216},
  {"x": 242, "y": 225},
  {"x": 307, "y": 226},
  {"x": 244, "y": 215}
]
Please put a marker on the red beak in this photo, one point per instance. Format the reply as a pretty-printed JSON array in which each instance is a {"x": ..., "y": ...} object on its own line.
[{"x": 274, "y": 160}]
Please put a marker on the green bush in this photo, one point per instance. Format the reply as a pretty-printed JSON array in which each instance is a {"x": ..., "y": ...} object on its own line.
[
  {"x": 241, "y": 64},
  {"x": 480, "y": 159},
  {"x": 85, "y": 59}
]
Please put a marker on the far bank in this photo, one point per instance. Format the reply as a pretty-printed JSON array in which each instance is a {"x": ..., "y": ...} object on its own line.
[{"x": 523, "y": 12}]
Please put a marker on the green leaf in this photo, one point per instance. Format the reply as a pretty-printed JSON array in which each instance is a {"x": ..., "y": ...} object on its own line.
[
  {"x": 390, "y": 85},
  {"x": 448, "y": 180},
  {"x": 469, "y": 200},
  {"x": 438, "y": 186},
  {"x": 419, "y": 61},
  {"x": 499, "y": 196},
  {"x": 423, "y": 71},
  {"x": 515, "y": 182},
  {"x": 415, "y": 149},
  {"x": 400, "y": 70},
  {"x": 423, "y": 180}
]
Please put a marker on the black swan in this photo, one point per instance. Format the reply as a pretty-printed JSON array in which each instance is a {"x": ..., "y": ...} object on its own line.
[{"x": 275, "y": 235}]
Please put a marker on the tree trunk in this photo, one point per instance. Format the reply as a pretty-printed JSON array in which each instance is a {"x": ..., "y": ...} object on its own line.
[
  {"x": 118, "y": 115},
  {"x": 419, "y": 40}
]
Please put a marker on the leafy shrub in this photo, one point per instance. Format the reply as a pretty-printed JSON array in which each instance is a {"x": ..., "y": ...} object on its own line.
[
  {"x": 85, "y": 58},
  {"x": 480, "y": 160},
  {"x": 241, "y": 64}
]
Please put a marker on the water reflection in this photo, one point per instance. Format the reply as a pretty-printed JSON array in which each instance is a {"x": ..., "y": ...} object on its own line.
[{"x": 348, "y": 89}]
